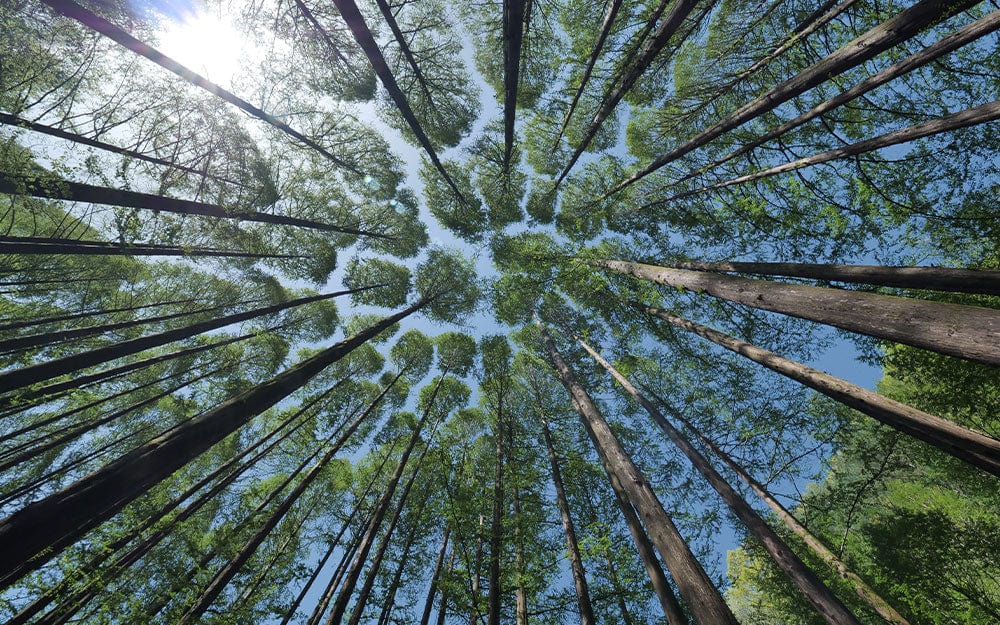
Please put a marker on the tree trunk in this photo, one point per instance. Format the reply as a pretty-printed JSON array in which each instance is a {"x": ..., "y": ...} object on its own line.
[
  {"x": 86, "y": 314},
  {"x": 968, "y": 332},
  {"x": 226, "y": 574},
  {"x": 378, "y": 515},
  {"x": 363, "y": 35},
  {"x": 963, "y": 119},
  {"x": 33, "y": 374},
  {"x": 390, "y": 600},
  {"x": 513, "y": 33},
  {"x": 610, "y": 13},
  {"x": 965, "y": 444},
  {"x": 96, "y": 22},
  {"x": 520, "y": 594},
  {"x": 45, "y": 245},
  {"x": 950, "y": 43},
  {"x": 888, "y": 34},
  {"x": 496, "y": 523},
  {"x": 701, "y": 595},
  {"x": 617, "y": 586},
  {"x": 425, "y": 617},
  {"x": 651, "y": 48},
  {"x": 979, "y": 281},
  {"x": 822, "y": 599},
  {"x": 12, "y": 120},
  {"x": 861, "y": 588},
  {"x": 572, "y": 547},
  {"x": 37, "y": 533},
  {"x": 59, "y": 189}
]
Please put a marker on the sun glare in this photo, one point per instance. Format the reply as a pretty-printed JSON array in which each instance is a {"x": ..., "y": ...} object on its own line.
[{"x": 207, "y": 44}]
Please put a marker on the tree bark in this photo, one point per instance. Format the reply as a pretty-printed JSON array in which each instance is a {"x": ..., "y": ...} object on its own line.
[
  {"x": 33, "y": 374},
  {"x": 226, "y": 574},
  {"x": 963, "y": 119},
  {"x": 86, "y": 314},
  {"x": 59, "y": 189},
  {"x": 610, "y": 13},
  {"x": 45, "y": 245},
  {"x": 969, "y": 332},
  {"x": 950, "y": 43},
  {"x": 805, "y": 579},
  {"x": 965, "y": 444},
  {"x": 520, "y": 593},
  {"x": 701, "y": 595},
  {"x": 377, "y": 516},
  {"x": 617, "y": 586},
  {"x": 861, "y": 588},
  {"x": 572, "y": 547},
  {"x": 96, "y": 22},
  {"x": 958, "y": 280},
  {"x": 513, "y": 34},
  {"x": 37, "y": 533},
  {"x": 425, "y": 617},
  {"x": 888, "y": 34},
  {"x": 679, "y": 11}
]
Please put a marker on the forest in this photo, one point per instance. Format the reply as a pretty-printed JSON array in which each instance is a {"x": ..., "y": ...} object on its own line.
[{"x": 680, "y": 312}]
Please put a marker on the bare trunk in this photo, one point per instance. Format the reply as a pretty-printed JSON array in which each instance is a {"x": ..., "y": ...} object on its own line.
[
  {"x": 86, "y": 314},
  {"x": 950, "y": 43},
  {"x": 520, "y": 594},
  {"x": 822, "y": 599},
  {"x": 96, "y": 22},
  {"x": 425, "y": 617},
  {"x": 33, "y": 374},
  {"x": 980, "y": 281},
  {"x": 34, "y": 535},
  {"x": 968, "y": 332},
  {"x": 963, "y": 443},
  {"x": 617, "y": 586},
  {"x": 513, "y": 34},
  {"x": 58, "y": 189},
  {"x": 679, "y": 11},
  {"x": 861, "y": 588},
  {"x": 572, "y": 547},
  {"x": 45, "y": 245},
  {"x": 701, "y": 595},
  {"x": 888, "y": 34}
]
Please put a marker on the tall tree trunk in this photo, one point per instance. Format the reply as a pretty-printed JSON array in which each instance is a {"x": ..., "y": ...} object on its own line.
[
  {"x": 965, "y": 444},
  {"x": 59, "y": 189},
  {"x": 805, "y": 579},
  {"x": 443, "y": 609},
  {"x": 46, "y": 245},
  {"x": 610, "y": 13},
  {"x": 425, "y": 616},
  {"x": 888, "y": 34},
  {"x": 37, "y": 321},
  {"x": 59, "y": 336},
  {"x": 962, "y": 119},
  {"x": 980, "y": 281},
  {"x": 404, "y": 47},
  {"x": 226, "y": 574},
  {"x": 572, "y": 547},
  {"x": 950, "y": 43},
  {"x": 968, "y": 332},
  {"x": 617, "y": 586},
  {"x": 861, "y": 588},
  {"x": 95, "y": 22},
  {"x": 378, "y": 515},
  {"x": 701, "y": 595},
  {"x": 13, "y": 120},
  {"x": 37, "y": 533},
  {"x": 474, "y": 587},
  {"x": 513, "y": 33},
  {"x": 645, "y": 56},
  {"x": 496, "y": 522},
  {"x": 390, "y": 600},
  {"x": 363, "y": 35},
  {"x": 33, "y": 374},
  {"x": 520, "y": 593}
]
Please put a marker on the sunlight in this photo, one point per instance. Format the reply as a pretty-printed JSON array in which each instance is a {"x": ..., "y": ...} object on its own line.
[{"x": 206, "y": 43}]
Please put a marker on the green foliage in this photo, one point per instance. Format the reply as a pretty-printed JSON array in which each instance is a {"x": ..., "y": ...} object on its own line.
[{"x": 388, "y": 283}]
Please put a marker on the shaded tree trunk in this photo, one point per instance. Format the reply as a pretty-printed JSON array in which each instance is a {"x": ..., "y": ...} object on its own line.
[
  {"x": 513, "y": 34},
  {"x": 809, "y": 584},
  {"x": 861, "y": 588},
  {"x": 96, "y": 22},
  {"x": 965, "y": 444},
  {"x": 572, "y": 547},
  {"x": 968, "y": 332},
  {"x": 698, "y": 591},
  {"x": 86, "y": 314},
  {"x": 980, "y": 281},
  {"x": 59, "y": 189},
  {"x": 44, "y": 245},
  {"x": 617, "y": 586},
  {"x": 33, "y": 374},
  {"x": 520, "y": 593},
  {"x": 37, "y": 533},
  {"x": 425, "y": 616},
  {"x": 888, "y": 34}
]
